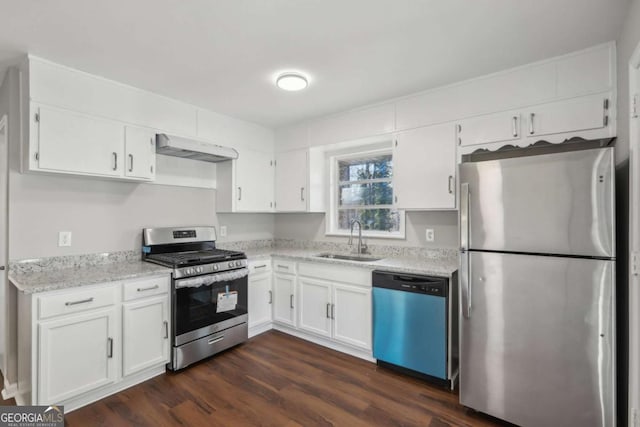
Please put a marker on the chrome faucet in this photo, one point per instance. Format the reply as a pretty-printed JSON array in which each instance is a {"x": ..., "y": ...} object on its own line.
[{"x": 362, "y": 248}]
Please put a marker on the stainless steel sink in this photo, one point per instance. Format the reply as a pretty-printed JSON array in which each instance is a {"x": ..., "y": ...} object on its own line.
[{"x": 360, "y": 258}]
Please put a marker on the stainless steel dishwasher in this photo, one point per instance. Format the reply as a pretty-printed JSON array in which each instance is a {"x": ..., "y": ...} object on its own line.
[{"x": 415, "y": 326}]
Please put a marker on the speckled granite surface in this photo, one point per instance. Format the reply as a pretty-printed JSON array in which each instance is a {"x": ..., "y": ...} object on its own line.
[
  {"x": 72, "y": 261},
  {"x": 42, "y": 281},
  {"x": 434, "y": 262}
]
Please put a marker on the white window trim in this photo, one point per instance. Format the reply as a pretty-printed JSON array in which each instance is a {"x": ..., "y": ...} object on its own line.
[{"x": 332, "y": 214}]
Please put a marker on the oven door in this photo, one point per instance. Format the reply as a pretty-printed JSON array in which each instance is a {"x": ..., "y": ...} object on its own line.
[{"x": 202, "y": 310}]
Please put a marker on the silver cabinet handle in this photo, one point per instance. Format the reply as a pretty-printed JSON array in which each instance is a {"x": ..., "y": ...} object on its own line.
[
  {"x": 514, "y": 123},
  {"x": 130, "y": 162},
  {"x": 239, "y": 193},
  {"x": 150, "y": 288},
  {"x": 82, "y": 301},
  {"x": 531, "y": 127},
  {"x": 605, "y": 118},
  {"x": 459, "y": 130},
  {"x": 333, "y": 311},
  {"x": 270, "y": 297},
  {"x": 302, "y": 194},
  {"x": 451, "y": 180},
  {"x": 291, "y": 301},
  {"x": 465, "y": 285},
  {"x": 328, "y": 310},
  {"x": 109, "y": 348},
  {"x": 115, "y": 160},
  {"x": 166, "y": 329},
  {"x": 260, "y": 266},
  {"x": 286, "y": 267},
  {"x": 2, "y": 267},
  {"x": 215, "y": 340}
]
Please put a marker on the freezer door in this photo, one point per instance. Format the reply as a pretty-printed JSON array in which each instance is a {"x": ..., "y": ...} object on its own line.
[
  {"x": 561, "y": 203},
  {"x": 538, "y": 344}
]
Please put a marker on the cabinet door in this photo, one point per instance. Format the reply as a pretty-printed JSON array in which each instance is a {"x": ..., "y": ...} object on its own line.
[
  {"x": 424, "y": 165},
  {"x": 72, "y": 142},
  {"x": 140, "y": 153},
  {"x": 315, "y": 306},
  {"x": 492, "y": 128},
  {"x": 260, "y": 299},
  {"x": 352, "y": 315},
  {"x": 580, "y": 114},
  {"x": 76, "y": 354},
  {"x": 284, "y": 309},
  {"x": 254, "y": 181},
  {"x": 145, "y": 329},
  {"x": 291, "y": 181}
]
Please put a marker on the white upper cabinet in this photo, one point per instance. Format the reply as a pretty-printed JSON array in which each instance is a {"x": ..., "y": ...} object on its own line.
[
  {"x": 247, "y": 183},
  {"x": 53, "y": 84},
  {"x": 586, "y": 72},
  {"x": 491, "y": 128},
  {"x": 424, "y": 168},
  {"x": 292, "y": 191},
  {"x": 572, "y": 116},
  {"x": 352, "y": 125},
  {"x": 69, "y": 142},
  {"x": 140, "y": 153}
]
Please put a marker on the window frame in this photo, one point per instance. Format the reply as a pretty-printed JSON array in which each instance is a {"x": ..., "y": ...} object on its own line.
[{"x": 334, "y": 196}]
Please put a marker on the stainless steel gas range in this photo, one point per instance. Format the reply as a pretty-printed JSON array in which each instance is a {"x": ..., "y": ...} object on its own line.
[{"x": 209, "y": 291}]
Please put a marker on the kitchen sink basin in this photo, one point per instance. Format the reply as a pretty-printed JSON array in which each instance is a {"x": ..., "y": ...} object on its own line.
[{"x": 360, "y": 258}]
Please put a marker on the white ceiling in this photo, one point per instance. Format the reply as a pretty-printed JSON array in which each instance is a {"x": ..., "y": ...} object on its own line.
[{"x": 224, "y": 55}]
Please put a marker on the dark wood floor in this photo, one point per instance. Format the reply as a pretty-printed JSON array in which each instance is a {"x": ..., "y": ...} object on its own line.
[{"x": 278, "y": 380}]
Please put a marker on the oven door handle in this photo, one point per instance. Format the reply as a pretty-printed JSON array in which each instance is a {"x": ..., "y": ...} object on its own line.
[{"x": 225, "y": 276}]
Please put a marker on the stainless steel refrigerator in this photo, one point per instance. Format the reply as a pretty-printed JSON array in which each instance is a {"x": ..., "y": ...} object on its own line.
[{"x": 537, "y": 284}]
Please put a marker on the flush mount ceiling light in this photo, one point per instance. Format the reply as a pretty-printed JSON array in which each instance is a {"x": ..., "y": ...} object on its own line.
[{"x": 291, "y": 81}]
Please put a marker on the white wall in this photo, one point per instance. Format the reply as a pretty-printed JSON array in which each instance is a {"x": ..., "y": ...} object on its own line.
[
  {"x": 247, "y": 226},
  {"x": 308, "y": 226},
  {"x": 627, "y": 42}
]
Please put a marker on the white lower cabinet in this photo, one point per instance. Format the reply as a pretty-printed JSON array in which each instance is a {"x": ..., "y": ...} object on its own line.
[
  {"x": 89, "y": 342},
  {"x": 337, "y": 311},
  {"x": 315, "y": 306},
  {"x": 284, "y": 299},
  {"x": 76, "y": 354},
  {"x": 352, "y": 315},
  {"x": 260, "y": 296},
  {"x": 145, "y": 334}
]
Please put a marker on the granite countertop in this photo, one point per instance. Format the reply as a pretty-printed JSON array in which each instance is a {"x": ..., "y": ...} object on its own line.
[
  {"x": 31, "y": 282},
  {"x": 444, "y": 266}
]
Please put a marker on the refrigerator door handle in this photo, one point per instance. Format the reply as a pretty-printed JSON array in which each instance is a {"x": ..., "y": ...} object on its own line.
[{"x": 465, "y": 282}]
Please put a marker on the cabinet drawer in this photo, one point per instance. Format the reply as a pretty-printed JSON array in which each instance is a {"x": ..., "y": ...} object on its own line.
[
  {"x": 146, "y": 288},
  {"x": 260, "y": 266},
  {"x": 76, "y": 301},
  {"x": 283, "y": 266}
]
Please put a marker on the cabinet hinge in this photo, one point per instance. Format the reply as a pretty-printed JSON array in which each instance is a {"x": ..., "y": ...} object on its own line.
[
  {"x": 634, "y": 106},
  {"x": 606, "y": 121},
  {"x": 635, "y": 261},
  {"x": 36, "y": 117},
  {"x": 37, "y": 155},
  {"x": 271, "y": 163},
  {"x": 270, "y": 204},
  {"x": 606, "y": 103},
  {"x": 396, "y": 142},
  {"x": 151, "y": 168}
]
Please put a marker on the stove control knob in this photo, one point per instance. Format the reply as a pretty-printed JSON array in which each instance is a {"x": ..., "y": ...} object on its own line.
[
  {"x": 238, "y": 263},
  {"x": 216, "y": 267},
  {"x": 231, "y": 264},
  {"x": 188, "y": 271},
  {"x": 198, "y": 269}
]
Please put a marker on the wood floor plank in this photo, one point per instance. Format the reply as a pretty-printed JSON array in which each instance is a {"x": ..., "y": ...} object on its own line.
[{"x": 278, "y": 380}]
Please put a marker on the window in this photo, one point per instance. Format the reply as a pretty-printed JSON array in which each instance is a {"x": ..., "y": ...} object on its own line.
[{"x": 363, "y": 190}]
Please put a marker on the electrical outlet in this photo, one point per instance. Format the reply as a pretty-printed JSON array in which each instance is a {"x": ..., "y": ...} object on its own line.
[
  {"x": 64, "y": 238},
  {"x": 223, "y": 231},
  {"x": 430, "y": 235}
]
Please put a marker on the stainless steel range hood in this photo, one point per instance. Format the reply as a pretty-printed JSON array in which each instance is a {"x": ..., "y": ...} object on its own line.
[{"x": 177, "y": 146}]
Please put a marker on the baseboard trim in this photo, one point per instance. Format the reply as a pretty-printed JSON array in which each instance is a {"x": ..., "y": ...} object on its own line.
[
  {"x": 361, "y": 354},
  {"x": 10, "y": 390},
  {"x": 260, "y": 329}
]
